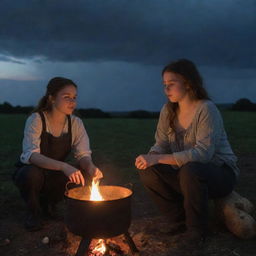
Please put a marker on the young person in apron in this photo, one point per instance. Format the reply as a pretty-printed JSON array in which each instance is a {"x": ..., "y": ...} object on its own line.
[
  {"x": 51, "y": 133},
  {"x": 191, "y": 160}
]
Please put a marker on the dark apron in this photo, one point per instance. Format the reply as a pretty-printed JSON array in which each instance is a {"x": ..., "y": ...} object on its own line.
[
  {"x": 38, "y": 184},
  {"x": 57, "y": 148}
]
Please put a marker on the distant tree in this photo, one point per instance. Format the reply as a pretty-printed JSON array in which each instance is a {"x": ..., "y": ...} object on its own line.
[
  {"x": 244, "y": 105},
  {"x": 92, "y": 113},
  {"x": 142, "y": 114},
  {"x": 23, "y": 110},
  {"x": 6, "y": 107}
]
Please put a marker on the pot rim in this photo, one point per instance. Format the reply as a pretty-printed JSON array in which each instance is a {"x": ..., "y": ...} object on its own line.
[{"x": 130, "y": 192}]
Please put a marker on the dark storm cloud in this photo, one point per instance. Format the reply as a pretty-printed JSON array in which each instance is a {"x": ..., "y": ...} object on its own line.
[
  {"x": 10, "y": 59},
  {"x": 217, "y": 32}
]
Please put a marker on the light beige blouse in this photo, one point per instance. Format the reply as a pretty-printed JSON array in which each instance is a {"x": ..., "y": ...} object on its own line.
[{"x": 33, "y": 129}]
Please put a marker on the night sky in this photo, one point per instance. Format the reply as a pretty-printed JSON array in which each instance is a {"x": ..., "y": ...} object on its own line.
[{"x": 115, "y": 49}]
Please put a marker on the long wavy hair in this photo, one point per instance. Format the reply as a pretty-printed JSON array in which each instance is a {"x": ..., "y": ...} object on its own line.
[
  {"x": 187, "y": 69},
  {"x": 54, "y": 86}
]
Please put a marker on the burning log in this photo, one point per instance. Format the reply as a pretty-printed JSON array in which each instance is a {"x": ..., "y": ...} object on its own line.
[
  {"x": 107, "y": 247},
  {"x": 114, "y": 247},
  {"x": 234, "y": 210},
  {"x": 99, "y": 249}
]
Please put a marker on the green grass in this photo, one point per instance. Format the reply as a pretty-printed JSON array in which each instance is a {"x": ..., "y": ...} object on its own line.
[
  {"x": 241, "y": 127},
  {"x": 116, "y": 142}
]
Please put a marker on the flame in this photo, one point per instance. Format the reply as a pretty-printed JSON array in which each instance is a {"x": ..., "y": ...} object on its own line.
[
  {"x": 99, "y": 247},
  {"x": 95, "y": 193}
]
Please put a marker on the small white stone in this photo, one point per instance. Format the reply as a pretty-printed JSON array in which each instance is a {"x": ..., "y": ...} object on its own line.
[
  {"x": 45, "y": 240},
  {"x": 7, "y": 241}
]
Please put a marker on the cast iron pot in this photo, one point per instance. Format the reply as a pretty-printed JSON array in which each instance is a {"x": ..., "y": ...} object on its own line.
[{"x": 98, "y": 219}]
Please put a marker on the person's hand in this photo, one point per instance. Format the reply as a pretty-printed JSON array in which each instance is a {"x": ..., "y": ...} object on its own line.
[
  {"x": 144, "y": 161},
  {"x": 95, "y": 173},
  {"x": 73, "y": 174}
]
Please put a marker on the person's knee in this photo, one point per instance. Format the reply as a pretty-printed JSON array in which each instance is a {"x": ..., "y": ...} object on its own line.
[
  {"x": 147, "y": 176},
  {"x": 190, "y": 171},
  {"x": 191, "y": 178},
  {"x": 30, "y": 176}
]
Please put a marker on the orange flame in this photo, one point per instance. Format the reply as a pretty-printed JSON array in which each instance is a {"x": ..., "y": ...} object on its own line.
[
  {"x": 95, "y": 193},
  {"x": 99, "y": 247}
]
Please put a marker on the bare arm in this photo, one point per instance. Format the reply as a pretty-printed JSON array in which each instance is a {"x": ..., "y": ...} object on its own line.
[
  {"x": 166, "y": 159},
  {"x": 145, "y": 161},
  {"x": 48, "y": 163},
  {"x": 87, "y": 165}
]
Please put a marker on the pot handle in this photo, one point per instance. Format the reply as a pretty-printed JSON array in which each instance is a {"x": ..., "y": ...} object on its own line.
[
  {"x": 66, "y": 187},
  {"x": 67, "y": 184}
]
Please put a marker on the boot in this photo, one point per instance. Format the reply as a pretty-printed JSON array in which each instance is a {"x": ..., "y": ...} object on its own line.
[
  {"x": 33, "y": 222},
  {"x": 49, "y": 211}
]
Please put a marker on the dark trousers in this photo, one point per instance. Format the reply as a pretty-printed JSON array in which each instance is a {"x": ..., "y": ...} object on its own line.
[
  {"x": 184, "y": 193},
  {"x": 40, "y": 187}
]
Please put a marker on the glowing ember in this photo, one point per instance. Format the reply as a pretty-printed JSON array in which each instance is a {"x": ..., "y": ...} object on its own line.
[
  {"x": 99, "y": 248},
  {"x": 95, "y": 193}
]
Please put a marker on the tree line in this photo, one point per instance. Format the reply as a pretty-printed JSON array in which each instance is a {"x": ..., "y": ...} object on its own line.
[
  {"x": 7, "y": 108},
  {"x": 240, "y": 105}
]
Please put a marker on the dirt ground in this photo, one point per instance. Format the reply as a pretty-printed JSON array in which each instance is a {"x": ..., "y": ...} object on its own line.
[{"x": 146, "y": 228}]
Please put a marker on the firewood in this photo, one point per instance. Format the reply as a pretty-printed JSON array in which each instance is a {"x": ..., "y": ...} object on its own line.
[{"x": 114, "y": 247}]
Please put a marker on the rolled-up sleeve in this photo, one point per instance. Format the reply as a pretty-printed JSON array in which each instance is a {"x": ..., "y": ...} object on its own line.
[
  {"x": 161, "y": 145},
  {"x": 31, "y": 140},
  {"x": 81, "y": 144},
  {"x": 208, "y": 132}
]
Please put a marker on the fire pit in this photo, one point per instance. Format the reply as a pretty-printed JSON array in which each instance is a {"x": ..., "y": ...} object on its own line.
[{"x": 106, "y": 217}]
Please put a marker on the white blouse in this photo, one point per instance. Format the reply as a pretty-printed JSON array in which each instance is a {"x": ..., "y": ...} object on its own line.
[{"x": 32, "y": 133}]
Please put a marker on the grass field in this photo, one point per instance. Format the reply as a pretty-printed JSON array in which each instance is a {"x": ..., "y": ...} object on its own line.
[
  {"x": 115, "y": 144},
  {"x": 119, "y": 141}
]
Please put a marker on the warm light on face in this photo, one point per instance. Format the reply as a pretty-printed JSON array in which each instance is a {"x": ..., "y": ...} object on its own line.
[
  {"x": 174, "y": 86},
  {"x": 65, "y": 100},
  {"x": 68, "y": 94}
]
